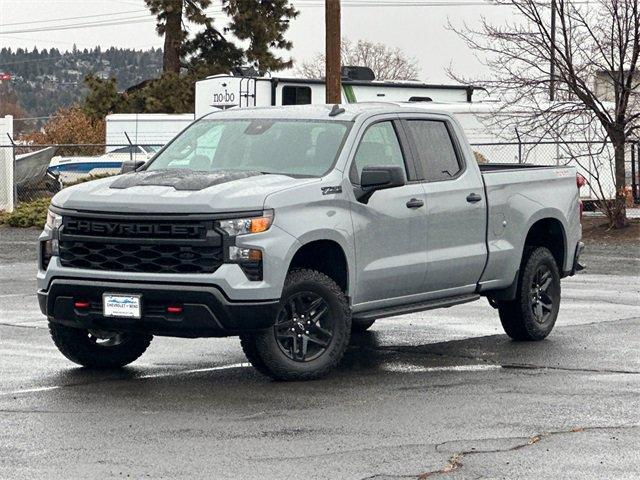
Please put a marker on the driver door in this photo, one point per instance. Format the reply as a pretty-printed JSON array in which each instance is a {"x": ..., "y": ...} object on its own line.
[{"x": 389, "y": 230}]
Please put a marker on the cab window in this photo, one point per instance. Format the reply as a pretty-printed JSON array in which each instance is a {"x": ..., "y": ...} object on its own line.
[
  {"x": 435, "y": 151},
  {"x": 379, "y": 147}
]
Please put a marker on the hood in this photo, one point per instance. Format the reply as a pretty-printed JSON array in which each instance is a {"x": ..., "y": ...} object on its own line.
[{"x": 181, "y": 191}]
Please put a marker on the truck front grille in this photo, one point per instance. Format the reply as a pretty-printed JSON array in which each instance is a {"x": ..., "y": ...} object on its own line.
[{"x": 140, "y": 246}]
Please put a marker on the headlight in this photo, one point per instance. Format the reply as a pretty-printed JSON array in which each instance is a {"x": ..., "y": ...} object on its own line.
[
  {"x": 54, "y": 221},
  {"x": 243, "y": 226}
]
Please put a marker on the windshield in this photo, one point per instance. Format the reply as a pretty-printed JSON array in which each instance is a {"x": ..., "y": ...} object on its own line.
[{"x": 289, "y": 147}]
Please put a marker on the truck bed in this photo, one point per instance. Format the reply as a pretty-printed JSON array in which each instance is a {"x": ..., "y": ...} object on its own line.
[{"x": 513, "y": 191}]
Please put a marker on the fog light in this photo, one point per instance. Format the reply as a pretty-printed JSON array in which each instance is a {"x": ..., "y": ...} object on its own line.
[
  {"x": 250, "y": 261},
  {"x": 81, "y": 304},
  {"x": 239, "y": 254},
  {"x": 174, "y": 309}
]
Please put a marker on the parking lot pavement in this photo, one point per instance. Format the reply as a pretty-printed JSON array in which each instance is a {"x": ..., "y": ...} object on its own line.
[{"x": 442, "y": 394}]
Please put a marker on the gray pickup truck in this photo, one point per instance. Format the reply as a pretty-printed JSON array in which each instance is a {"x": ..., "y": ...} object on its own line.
[{"x": 292, "y": 226}]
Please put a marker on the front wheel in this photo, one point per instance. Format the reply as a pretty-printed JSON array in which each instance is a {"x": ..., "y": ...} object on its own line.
[
  {"x": 533, "y": 313},
  {"x": 96, "y": 348},
  {"x": 311, "y": 332}
]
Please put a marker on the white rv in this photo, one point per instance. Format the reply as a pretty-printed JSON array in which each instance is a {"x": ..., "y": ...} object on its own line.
[{"x": 220, "y": 92}]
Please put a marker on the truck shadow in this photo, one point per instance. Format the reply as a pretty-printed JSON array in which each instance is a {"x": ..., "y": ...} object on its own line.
[
  {"x": 370, "y": 356},
  {"x": 368, "y": 352}
]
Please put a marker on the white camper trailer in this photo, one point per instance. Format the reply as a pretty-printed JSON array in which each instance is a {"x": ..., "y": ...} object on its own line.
[{"x": 220, "y": 92}]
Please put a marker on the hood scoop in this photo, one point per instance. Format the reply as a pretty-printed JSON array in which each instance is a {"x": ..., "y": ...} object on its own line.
[{"x": 180, "y": 179}]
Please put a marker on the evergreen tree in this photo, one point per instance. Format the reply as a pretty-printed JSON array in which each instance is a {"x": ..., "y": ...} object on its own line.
[
  {"x": 262, "y": 24},
  {"x": 169, "y": 14}
]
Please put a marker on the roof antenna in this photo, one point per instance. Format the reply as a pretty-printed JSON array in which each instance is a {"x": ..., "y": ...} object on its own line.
[{"x": 336, "y": 110}]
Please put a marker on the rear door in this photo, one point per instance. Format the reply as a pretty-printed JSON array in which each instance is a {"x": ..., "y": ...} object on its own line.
[
  {"x": 455, "y": 206},
  {"x": 389, "y": 229}
]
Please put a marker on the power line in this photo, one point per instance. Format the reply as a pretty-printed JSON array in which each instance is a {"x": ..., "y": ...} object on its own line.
[
  {"x": 402, "y": 3},
  {"x": 111, "y": 22},
  {"x": 71, "y": 18},
  {"x": 415, "y": 3},
  {"x": 98, "y": 23}
]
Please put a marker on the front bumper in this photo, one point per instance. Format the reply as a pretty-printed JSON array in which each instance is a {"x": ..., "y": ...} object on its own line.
[{"x": 206, "y": 311}]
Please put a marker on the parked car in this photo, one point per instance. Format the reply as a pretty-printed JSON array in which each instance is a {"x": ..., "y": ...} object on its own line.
[{"x": 289, "y": 227}]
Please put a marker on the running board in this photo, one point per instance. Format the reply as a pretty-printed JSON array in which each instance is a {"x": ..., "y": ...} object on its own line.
[{"x": 415, "y": 307}]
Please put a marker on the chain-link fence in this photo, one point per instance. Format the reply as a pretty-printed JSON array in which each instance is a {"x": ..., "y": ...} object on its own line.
[
  {"x": 593, "y": 160},
  {"x": 41, "y": 171}
]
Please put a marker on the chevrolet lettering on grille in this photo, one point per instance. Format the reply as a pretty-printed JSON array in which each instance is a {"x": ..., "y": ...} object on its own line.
[{"x": 93, "y": 227}]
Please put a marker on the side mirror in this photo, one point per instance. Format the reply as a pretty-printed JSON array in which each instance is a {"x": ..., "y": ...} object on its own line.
[
  {"x": 379, "y": 178},
  {"x": 131, "y": 165}
]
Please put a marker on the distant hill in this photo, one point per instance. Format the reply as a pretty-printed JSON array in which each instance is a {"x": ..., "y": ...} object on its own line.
[{"x": 45, "y": 80}]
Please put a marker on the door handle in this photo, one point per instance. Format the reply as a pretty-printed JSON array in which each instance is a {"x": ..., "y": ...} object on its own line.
[
  {"x": 415, "y": 203},
  {"x": 473, "y": 198}
]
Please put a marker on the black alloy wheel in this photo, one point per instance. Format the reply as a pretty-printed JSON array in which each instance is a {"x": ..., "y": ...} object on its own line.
[
  {"x": 311, "y": 331},
  {"x": 542, "y": 294},
  {"x": 304, "y": 329}
]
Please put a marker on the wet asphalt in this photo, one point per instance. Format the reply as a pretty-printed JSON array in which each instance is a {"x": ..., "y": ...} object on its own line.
[{"x": 439, "y": 394}]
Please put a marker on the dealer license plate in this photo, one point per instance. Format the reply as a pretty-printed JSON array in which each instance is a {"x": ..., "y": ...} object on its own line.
[{"x": 123, "y": 306}]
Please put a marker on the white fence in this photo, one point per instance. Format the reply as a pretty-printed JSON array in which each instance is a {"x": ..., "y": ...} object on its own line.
[{"x": 6, "y": 165}]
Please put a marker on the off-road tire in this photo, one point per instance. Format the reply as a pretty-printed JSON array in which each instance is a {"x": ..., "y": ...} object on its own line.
[
  {"x": 76, "y": 345},
  {"x": 248, "y": 344},
  {"x": 517, "y": 316},
  {"x": 262, "y": 348},
  {"x": 358, "y": 325}
]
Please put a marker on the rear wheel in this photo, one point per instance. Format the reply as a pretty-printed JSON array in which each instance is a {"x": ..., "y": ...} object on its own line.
[
  {"x": 533, "y": 313},
  {"x": 311, "y": 332},
  {"x": 98, "y": 349}
]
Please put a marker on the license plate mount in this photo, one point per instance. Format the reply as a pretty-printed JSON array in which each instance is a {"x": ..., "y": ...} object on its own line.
[{"x": 120, "y": 305}]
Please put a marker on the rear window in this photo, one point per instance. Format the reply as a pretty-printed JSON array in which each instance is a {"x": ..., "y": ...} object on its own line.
[{"x": 435, "y": 150}]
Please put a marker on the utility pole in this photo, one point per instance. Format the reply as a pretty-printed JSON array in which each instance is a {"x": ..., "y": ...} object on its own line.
[
  {"x": 333, "y": 77},
  {"x": 552, "y": 69}
]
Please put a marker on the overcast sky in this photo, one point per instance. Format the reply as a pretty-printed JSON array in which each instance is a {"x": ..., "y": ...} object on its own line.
[{"x": 418, "y": 30}]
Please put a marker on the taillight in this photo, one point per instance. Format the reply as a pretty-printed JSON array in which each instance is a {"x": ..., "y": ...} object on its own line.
[{"x": 580, "y": 180}]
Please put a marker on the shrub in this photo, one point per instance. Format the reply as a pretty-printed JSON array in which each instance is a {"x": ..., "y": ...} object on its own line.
[
  {"x": 34, "y": 213},
  {"x": 70, "y": 126},
  {"x": 28, "y": 214}
]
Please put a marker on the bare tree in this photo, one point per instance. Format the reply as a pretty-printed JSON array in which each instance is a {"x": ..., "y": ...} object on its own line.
[
  {"x": 553, "y": 59},
  {"x": 387, "y": 63}
]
